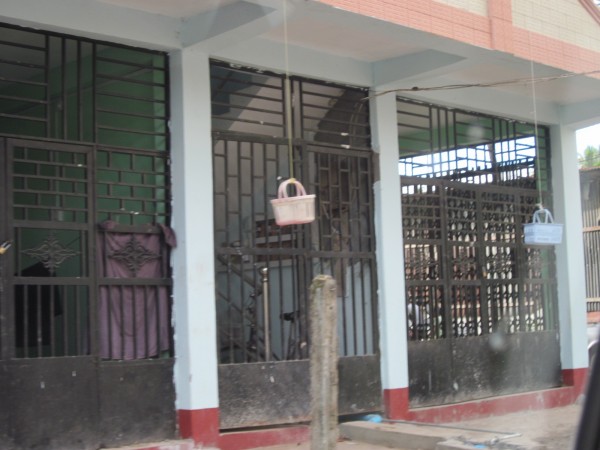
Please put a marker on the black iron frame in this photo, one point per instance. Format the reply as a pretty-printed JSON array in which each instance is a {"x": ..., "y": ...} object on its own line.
[
  {"x": 331, "y": 155},
  {"x": 65, "y": 109},
  {"x": 479, "y": 301}
]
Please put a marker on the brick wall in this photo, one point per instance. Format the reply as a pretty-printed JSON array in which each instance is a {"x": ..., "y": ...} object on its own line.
[{"x": 560, "y": 33}]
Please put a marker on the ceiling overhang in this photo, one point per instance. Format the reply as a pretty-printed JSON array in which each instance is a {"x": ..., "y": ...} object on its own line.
[{"x": 320, "y": 41}]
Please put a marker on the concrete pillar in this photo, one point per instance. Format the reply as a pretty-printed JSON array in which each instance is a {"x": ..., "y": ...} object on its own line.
[
  {"x": 196, "y": 366},
  {"x": 390, "y": 258},
  {"x": 323, "y": 363},
  {"x": 570, "y": 267}
]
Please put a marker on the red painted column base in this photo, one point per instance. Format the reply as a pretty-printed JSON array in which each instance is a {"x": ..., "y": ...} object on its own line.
[
  {"x": 395, "y": 403},
  {"x": 573, "y": 386},
  {"x": 201, "y": 425},
  {"x": 577, "y": 378}
]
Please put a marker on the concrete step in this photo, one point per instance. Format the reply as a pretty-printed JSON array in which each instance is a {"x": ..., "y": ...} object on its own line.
[
  {"x": 185, "y": 444},
  {"x": 416, "y": 436}
]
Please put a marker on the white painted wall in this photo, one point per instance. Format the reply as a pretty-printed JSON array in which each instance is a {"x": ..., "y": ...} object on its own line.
[
  {"x": 569, "y": 255},
  {"x": 474, "y": 6},
  {"x": 196, "y": 364}
]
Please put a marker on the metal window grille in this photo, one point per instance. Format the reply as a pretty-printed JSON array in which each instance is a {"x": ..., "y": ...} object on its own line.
[
  {"x": 113, "y": 101},
  {"x": 590, "y": 204},
  {"x": 255, "y": 257},
  {"x": 468, "y": 186},
  {"x": 438, "y": 142},
  {"x": 62, "y": 87}
]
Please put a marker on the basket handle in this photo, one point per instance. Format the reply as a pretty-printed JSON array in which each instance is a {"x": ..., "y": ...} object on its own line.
[
  {"x": 536, "y": 216},
  {"x": 282, "y": 191}
]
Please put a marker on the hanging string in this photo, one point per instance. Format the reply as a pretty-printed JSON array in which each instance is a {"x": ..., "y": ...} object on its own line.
[
  {"x": 287, "y": 87},
  {"x": 538, "y": 172}
]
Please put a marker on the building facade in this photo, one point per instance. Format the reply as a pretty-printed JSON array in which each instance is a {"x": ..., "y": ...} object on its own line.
[{"x": 143, "y": 277}]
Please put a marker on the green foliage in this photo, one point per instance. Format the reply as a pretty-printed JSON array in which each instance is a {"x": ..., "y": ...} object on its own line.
[{"x": 590, "y": 157}]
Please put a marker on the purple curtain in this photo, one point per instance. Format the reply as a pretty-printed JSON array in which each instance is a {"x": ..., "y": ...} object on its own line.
[{"x": 134, "y": 320}]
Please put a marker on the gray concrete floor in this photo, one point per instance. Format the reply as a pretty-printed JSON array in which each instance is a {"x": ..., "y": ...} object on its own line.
[{"x": 555, "y": 428}]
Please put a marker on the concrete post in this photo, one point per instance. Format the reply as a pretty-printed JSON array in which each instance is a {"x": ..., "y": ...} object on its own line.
[
  {"x": 323, "y": 363},
  {"x": 570, "y": 261},
  {"x": 196, "y": 365},
  {"x": 393, "y": 335}
]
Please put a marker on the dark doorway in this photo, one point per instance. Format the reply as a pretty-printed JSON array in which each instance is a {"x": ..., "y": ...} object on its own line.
[
  {"x": 480, "y": 302},
  {"x": 85, "y": 338},
  {"x": 259, "y": 263}
]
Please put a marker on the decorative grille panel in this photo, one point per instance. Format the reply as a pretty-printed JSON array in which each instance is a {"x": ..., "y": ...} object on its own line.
[
  {"x": 250, "y": 158},
  {"x": 468, "y": 272}
]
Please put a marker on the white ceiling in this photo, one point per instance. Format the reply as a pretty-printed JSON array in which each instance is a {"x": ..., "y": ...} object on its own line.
[{"x": 172, "y": 8}]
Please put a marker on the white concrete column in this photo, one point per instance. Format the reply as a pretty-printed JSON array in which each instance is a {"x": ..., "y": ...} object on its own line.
[
  {"x": 390, "y": 257},
  {"x": 570, "y": 266},
  {"x": 196, "y": 364}
]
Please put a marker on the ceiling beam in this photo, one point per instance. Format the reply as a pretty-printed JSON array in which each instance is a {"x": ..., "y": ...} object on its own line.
[
  {"x": 229, "y": 25},
  {"x": 94, "y": 20}
]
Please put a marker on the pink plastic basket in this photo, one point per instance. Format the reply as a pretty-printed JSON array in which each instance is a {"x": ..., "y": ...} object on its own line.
[{"x": 293, "y": 210}]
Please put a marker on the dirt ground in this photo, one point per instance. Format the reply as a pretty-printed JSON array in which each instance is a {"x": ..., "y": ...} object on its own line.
[{"x": 555, "y": 428}]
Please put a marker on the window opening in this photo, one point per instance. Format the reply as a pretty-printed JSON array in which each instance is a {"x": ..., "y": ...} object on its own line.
[
  {"x": 114, "y": 100},
  {"x": 468, "y": 186},
  {"x": 333, "y": 160}
]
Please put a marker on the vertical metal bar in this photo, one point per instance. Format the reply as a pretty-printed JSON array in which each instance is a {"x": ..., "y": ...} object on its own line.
[
  {"x": 439, "y": 130},
  {"x": 449, "y": 325},
  {"x": 364, "y": 312},
  {"x": 94, "y": 93},
  {"x": 39, "y": 321},
  {"x": 52, "y": 298},
  {"x": 5, "y": 296},
  {"x": 25, "y": 321},
  {"x": 237, "y": 180},
  {"x": 280, "y": 305},
  {"x": 230, "y": 344},
  {"x": 108, "y": 298},
  {"x": 229, "y": 300},
  {"x": 146, "y": 325},
  {"x": 66, "y": 313},
  {"x": 123, "y": 323},
  {"x": 264, "y": 271},
  {"x": 480, "y": 256},
  {"x": 79, "y": 102},
  {"x": 298, "y": 110},
  {"x": 78, "y": 317},
  {"x": 304, "y": 262},
  {"x": 430, "y": 136},
  {"x": 521, "y": 256},
  {"x": 63, "y": 85},
  {"x": 134, "y": 314},
  {"x": 47, "y": 81},
  {"x": 154, "y": 292}
]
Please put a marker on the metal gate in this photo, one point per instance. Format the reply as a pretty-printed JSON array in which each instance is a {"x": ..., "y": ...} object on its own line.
[
  {"x": 480, "y": 303},
  {"x": 590, "y": 205},
  {"x": 85, "y": 338},
  {"x": 263, "y": 271},
  {"x": 82, "y": 335}
]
